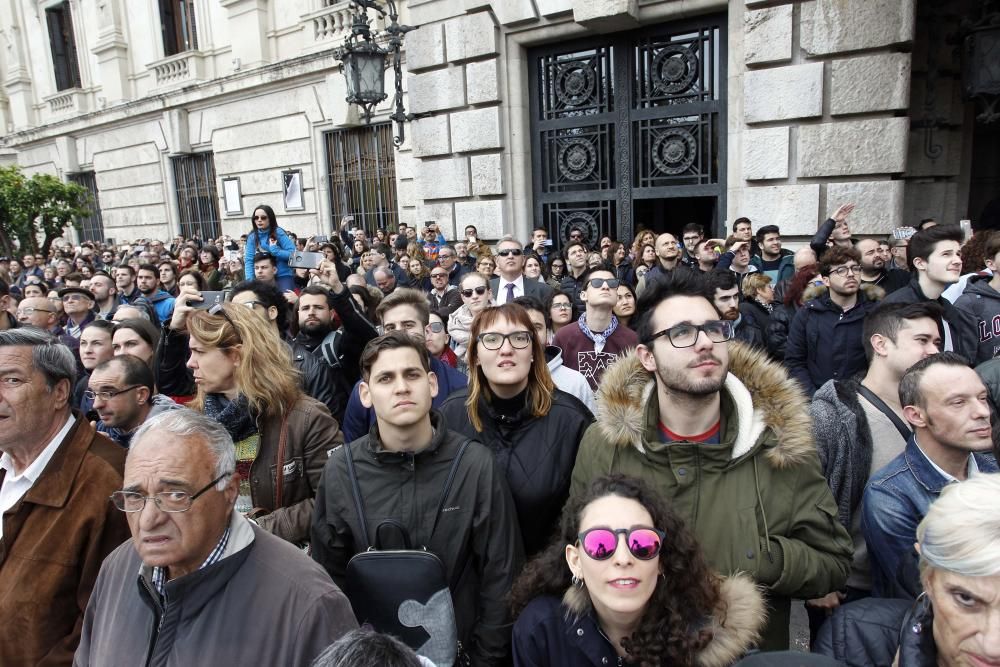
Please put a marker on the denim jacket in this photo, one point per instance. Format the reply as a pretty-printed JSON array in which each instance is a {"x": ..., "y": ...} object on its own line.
[{"x": 895, "y": 501}]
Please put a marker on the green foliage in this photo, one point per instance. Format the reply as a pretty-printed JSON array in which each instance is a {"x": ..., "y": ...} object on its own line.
[{"x": 40, "y": 206}]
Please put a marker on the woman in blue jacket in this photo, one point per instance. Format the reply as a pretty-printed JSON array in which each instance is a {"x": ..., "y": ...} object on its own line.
[{"x": 267, "y": 236}]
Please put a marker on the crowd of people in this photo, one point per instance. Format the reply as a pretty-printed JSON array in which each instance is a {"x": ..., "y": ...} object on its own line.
[{"x": 385, "y": 447}]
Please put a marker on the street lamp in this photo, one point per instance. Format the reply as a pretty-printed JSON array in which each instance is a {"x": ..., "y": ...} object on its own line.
[{"x": 364, "y": 62}]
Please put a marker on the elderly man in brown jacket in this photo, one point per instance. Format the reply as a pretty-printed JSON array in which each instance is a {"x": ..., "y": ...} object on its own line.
[{"x": 56, "y": 474}]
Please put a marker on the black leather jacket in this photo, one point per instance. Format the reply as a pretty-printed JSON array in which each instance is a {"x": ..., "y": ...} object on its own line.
[{"x": 869, "y": 632}]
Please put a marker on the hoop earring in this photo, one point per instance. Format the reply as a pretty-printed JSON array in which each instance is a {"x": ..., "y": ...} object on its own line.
[{"x": 577, "y": 581}]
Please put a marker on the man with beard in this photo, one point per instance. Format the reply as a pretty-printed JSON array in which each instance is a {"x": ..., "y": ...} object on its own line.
[
  {"x": 339, "y": 348},
  {"x": 698, "y": 418},
  {"x": 147, "y": 280},
  {"x": 668, "y": 256},
  {"x": 105, "y": 294},
  {"x": 726, "y": 299},
  {"x": 824, "y": 340},
  {"x": 936, "y": 262},
  {"x": 873, "y": 267},
  {"x": 947, "y": 405}
]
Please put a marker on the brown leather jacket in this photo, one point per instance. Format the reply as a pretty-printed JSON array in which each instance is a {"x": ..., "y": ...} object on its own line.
[
  {"x": 54, "y": 540},
  {"x": 311, "y": 433}
]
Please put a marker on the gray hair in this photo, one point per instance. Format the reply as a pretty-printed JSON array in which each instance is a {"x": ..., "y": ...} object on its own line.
[
  {"x": 49, "y": 357},
  {"x": 961, "y": 531},
  {"x": 509, "y": 238},
  {"x": 366, "y": 648},
  {"x": 186, "y": 422}
]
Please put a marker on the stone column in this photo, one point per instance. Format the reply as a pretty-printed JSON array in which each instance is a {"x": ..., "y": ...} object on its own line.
[
  {"x": 111, "y": 51},
  {"x": 248, "y": 27}
]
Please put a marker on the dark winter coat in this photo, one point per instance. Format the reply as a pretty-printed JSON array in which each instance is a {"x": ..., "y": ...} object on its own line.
[
  {"x": 535, "y": 453},
  {"x": 825, "y": 343},
  {"x": 476, "y": 537},
  {"x": 869, "y": 632},
  {"x": 983, "y": 303},
  {"x": 753, "y": 325},
  {"x": 964, "y": 331},
  {"x": 777, "y": 329}
]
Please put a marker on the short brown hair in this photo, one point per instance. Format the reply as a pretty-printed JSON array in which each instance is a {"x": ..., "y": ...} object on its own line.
[
  {"x": 836, "y": 256},
  {"x": 754, "y": 283},
  {"x": 394, "y": 340},
  {"x": 404, "y": 296}
]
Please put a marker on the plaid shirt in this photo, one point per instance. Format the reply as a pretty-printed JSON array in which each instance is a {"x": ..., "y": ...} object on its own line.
[{"x": 159, "y": 576}]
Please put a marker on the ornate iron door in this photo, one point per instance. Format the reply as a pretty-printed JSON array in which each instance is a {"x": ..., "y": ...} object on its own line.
[{"x": 624, "y": 118}]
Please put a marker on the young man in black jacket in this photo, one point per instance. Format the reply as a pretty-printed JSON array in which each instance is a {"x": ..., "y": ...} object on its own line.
[{"x": 402, "y": 466}]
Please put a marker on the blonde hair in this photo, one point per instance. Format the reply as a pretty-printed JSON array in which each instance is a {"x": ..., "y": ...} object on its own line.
[
  {"x": 754, "y": 283},
  {"x": 266, "y": 375},
  {"x": 540, "y": 385}
]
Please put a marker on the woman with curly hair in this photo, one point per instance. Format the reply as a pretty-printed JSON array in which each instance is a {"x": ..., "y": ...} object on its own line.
[
  {"x": 625, "y": 583},
  {"x": 643, "y": 237}
]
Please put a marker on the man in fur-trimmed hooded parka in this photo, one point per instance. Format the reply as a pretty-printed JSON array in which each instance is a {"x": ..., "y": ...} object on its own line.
[{"x": 726, "y": 435}]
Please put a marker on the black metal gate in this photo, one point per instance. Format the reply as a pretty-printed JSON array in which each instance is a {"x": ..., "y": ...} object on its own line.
[{"x": 624, "y": 120}]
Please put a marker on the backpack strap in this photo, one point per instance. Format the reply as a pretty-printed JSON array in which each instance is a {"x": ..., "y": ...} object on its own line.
[{"x": 900, "y": 425}]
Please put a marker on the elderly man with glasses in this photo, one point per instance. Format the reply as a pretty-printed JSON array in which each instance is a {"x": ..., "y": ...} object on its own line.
[
  {"x": 444, "y": 297},
  {"x": 726, "y": 437},
  {"x": 55, "y": 477},
  {"x": 200, "y": 584}
]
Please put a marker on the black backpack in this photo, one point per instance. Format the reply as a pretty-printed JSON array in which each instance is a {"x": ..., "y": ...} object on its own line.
[{"x": 404, "y": 592}]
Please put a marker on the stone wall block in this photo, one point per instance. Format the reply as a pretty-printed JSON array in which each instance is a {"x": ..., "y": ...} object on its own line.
[
  {"x": 765, "y": 153},
  {"x": 606, "y": 15},
  {"x": 430, "y": 136},
  {"x": 550, "y": 7},
  {"x": 767, "y": 35},
  {"x": 782, "y": 93},
  {"x": 471, "y": 36},
  {"x": 878, "y": 204},
  {"x": 443, "y": 179},
  {"x": 487, "y": 174},
  {"x": 870, "y": 83},
  {"x": 510, "y": 12},
  {"x": 476, "y": 130},
  {"x": 482, "y": 82},
  {"x": 947, "y": 163},
  {"x": 487, "y": 216},
  {"x": 836, "y": 26},
  {"x": 443, "y": 214},
  {"x": 437, "y": 90},
  {"x": 876, "y": 146},
  {"x": 794, "y": 208},
  {"x": 425, "y": 47}
]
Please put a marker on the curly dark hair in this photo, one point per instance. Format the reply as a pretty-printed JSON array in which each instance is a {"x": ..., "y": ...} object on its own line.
[{"x": 675, "y": 624}]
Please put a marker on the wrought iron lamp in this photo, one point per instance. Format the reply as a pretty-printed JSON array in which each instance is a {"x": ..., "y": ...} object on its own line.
[{"x": 364, "y": 62}]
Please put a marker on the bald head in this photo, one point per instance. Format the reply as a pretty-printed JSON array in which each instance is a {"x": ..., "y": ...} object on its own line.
[
  {"x": 37, "y": 311},
  {"x": 804, "y": 257}
]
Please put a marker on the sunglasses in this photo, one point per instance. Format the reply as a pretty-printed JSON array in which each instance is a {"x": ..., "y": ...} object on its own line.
[
  {"x": 597, "y": 283},
  {"x": 517, "y": 252},
  {"x": 436, "y": 327},
  {"x": 439, "y": 275},
  {"x": 601, "y": 543},
  {"x": 467, "y": 293}
]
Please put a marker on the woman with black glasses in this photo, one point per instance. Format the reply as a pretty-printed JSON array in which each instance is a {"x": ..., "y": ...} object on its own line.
[
  {"x": 512, "y": 406},
  {"x": 476, "y": 295},
  {"x": 625, "y": 583}
]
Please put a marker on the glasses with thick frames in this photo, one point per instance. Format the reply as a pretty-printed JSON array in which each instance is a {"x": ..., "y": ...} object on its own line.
[
  {"x": 166, "y": 501},
  {"x": 481, "y": 290},
  {"x": 686, "y": 335},
  {"x": 842, "y": 271},
  {"x": 494, "y": 341},
  {"x": 602, "y": 543},
  {"x": 516, "y": 252}
]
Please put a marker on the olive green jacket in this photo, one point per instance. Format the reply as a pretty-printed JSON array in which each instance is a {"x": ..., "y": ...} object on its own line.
[{"x": 757, "y": 502}]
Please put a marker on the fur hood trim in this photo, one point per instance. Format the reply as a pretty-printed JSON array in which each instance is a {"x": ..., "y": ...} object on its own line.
[
  {"x": 735, "y": 623},
  {"x": 764, "y": 395}
]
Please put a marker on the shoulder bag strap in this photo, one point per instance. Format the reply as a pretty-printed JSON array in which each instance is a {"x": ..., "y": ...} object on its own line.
[
  {"x": 356, "y": 493},
  {"x": 280, "y": 472},
  {"x": 900, "y": 425},
  {"x": 447, "y": 484}
]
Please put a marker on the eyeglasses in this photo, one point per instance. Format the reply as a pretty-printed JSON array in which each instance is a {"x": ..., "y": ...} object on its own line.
[
  {"x": 107, "y": 394},
  {"x": 166, "y": 501},
  {"x": 436, "y": 327},
  {"x": 844, "y": 270},
  {"x": 686, "y": 335},
  {"x": 73, "y": 297},
  {"x": 481, "y": 290},
  {"x": 494, "y": 341},
  {"x": 602, "y": 543},
  {"x": 517, "y": 252},
  {"x": 218, "y": 309},
  {"x": 31, "y": 311},
  {"x": 562, "y": 306},
  {"x": 597, "y": 283},
  {"x": 442, "y": 255},
  {"x": 252, "y": 304},
  {"x": 439, "y": 275}
]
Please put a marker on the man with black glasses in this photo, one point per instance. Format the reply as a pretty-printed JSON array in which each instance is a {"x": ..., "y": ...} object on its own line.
[
  {"x": 444, "y": 297},
  {"x": 596, "y": 340},
  {"x": 699, "y": 418},
  {"x": 447, "y": 259},
  {"x": 511, "y": 282},
  {"x": 201, "y": 566}
]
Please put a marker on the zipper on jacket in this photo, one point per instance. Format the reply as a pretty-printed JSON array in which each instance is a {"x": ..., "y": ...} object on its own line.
[{"x": 161, "y": 614}]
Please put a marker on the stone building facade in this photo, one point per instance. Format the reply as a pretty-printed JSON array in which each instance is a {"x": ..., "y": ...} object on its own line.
[{"x": 606, "y": 114}]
